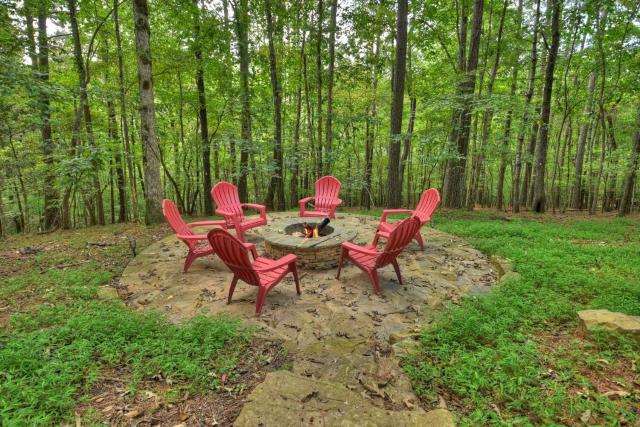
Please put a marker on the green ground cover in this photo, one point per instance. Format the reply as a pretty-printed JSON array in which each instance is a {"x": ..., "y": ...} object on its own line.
[
  {"x": 514, "y": 356},
  {"x": 63, "y": 337}
]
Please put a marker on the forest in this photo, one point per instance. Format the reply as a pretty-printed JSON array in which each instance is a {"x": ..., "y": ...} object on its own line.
[{"x": 107, "y": 107}]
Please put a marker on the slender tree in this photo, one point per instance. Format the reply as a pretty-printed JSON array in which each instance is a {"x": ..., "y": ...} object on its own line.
[
  {"x": 330, "y": 81},
  {"x": 394, "y": 193},
  {"x": 454, "y": 188},
  {"x": 275, "y": 193},
  {"x": 151, "y": 150},
  {"x": 539, "y": 195},
  {"x": 241, "y": 14},
  {"x": 632, "y": 169},
  {"x": 51, "y": 218}
]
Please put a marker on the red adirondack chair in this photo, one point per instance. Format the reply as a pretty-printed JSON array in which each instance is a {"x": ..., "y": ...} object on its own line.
[
  {"x": 369, "y": 259},
  {"x": 183, "y": 231},
  {"x": 426, "y": 206},
  {"x": 326, "y": 198},
  {"x": 225, "y": 196},
  {"x": 262, "y": 272}
]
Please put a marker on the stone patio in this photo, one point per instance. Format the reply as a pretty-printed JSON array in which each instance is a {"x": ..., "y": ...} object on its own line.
[{"x": 341, "y": 336}]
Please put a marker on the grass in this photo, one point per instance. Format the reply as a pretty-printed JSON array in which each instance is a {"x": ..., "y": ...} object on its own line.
[
  {"x": 63, "y": 337},
  {"x": 512, "y": 357}
]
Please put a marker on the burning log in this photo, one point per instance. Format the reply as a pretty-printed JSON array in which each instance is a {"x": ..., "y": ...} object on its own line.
[{"x": 310, "y": 231}]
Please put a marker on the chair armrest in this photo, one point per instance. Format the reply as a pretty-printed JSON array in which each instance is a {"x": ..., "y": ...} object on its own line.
[
  {"x": 386, "y": 212},
  {"x": 285, "y": 260},
  {"x": 252, "y": 248},
  {"x": 306, "y": 200},
  {"x": 363, "y": 250},
  {"x": 203, "y": 223},
  {"x": 260, "y": 208}
]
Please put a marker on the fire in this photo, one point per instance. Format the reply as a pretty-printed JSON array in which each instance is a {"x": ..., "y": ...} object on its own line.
[{"x": 313, "y": 230}]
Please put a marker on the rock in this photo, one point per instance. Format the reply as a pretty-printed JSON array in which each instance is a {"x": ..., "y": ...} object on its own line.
[
  {"x": 108, "y": 292},
  {"x": 501, "y": 265},
  {"x": 287, "y": 399},
  {"x": 604, "y": 319},
  {"x": 400, "y": 336},
  {"x": 405, "y": 348}
]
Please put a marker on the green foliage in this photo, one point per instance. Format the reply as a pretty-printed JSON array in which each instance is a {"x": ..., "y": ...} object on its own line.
[
  {"x": 490, "y": 353},
  {"x": 52, "y": 353}
]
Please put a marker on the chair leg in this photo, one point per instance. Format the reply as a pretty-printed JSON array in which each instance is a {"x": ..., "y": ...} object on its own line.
[
  {"x": 374, "y": 243},
  {"x": 396, "y": 267},
  {"x": 342, "y": 256},
  {"x": 191, "y": 256},
  {"x": 232, "y": 288},
  {"x": 418, "y": 238},
  {"x": 262, "y": 294},
  {"x": 240, "y": 234},
  {"x": 294, "y": 270},
  {"x": 375, "y": 280}
]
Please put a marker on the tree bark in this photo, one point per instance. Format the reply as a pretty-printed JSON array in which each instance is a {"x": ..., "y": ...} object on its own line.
[
  {"x": 394, "y": 189},
  {"x": 487, "y": 117},
  {"x": 319, "y": 163},
  {"x": 632, "y": 168},
  {"x": 330, "y": 79},
  {"x": 515, "y": 187},
  {"x": 583, "y": 135},
  {"x": 86, "y": 110},
  {"x": 539, "y": 196},
  {"x": 275, "y": 193},
  {"x": 202, "y": 115},
  {"x": 151, "y": 150},
  {"x": 51, "y": 218},
  {"x": 454, "y": 185},
  {"x": 241, "y": 14},
  {"x": 123, "y": 115}
]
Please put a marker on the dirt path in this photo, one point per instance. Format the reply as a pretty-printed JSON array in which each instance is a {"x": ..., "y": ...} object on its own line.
[{"x": 345, "y": 341}]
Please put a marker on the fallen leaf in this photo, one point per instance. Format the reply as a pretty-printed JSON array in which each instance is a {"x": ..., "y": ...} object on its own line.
[
  {"x": 223, "y": 378},
  {"x": 586, "y": 415},
  {"x": 134, "y": 413},
  {"x": 614, "y": 394}
]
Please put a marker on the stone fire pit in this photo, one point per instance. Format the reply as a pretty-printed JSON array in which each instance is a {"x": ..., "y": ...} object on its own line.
[{"x": 282, "y": 237}]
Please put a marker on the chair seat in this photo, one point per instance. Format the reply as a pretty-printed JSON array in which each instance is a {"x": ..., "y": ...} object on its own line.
[
  {"x": 268, "y": 278},
  {"x": 364, "y": 260}
]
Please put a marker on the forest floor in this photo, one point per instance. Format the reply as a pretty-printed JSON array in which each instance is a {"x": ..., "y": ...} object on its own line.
[{"x": 512, "y": 355}]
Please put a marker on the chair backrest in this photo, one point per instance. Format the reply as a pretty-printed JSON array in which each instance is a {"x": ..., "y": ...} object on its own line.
[
  {"x": 427, "y": 205},
  {"x": 173, "y": 217},
  {"x": 327, "y": 191},
  {"x": 234, "y": 254},
  {"x": 225, "y": 196},
  {"x": 398, "y": 239}
]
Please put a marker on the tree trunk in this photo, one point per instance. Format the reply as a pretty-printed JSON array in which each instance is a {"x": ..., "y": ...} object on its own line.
[
  {"x": 632, "y": 168},
  {"x": 295, "y": 155},
  {"x": 123, "y": 115},
  {"x": 406, "y": 141},
  {"x": 202, "y": 115},
  {"x": 394, "y": 189},
  {"x": 487, "y": 117},
  {"x": 120, "y": 179},
  {"x": 515, "y": 187},
  {"x": 241, "y": 13},
  {"x": 51, "y": 218},
  {"x": 453, "y": 191},
  {"x": 86, "y": 110},
  {"x": 330, "y": 78},
  {"x": 275, "y": 193},
  {"x": 366, "y": 196},
  {"x": 320, "y": 11},
  {"x": 539, "y": 197},
  {"x": 151, "y": 150},
  {"x": 583, "y": 135}
]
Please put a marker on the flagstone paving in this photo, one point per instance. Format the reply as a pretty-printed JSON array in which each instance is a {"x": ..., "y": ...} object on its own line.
[{"x": 345, "y": 342}]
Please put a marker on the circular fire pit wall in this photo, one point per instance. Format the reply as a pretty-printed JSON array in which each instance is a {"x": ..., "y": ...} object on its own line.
[{"x": 285, "y": 236}]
